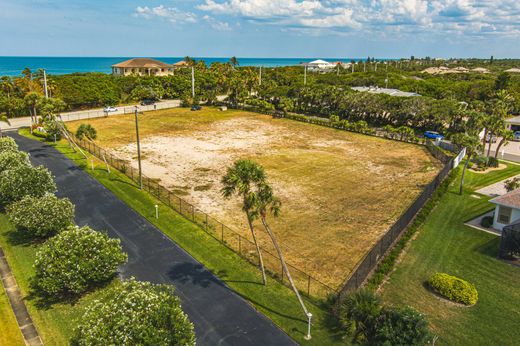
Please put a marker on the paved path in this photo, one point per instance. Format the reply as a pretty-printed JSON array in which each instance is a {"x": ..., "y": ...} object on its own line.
[
  {"x": 496, "y": 189},
  {"x": 92, "y": 113},
  {"x": 220, "y": 316},
  {"x": 29, "y": 332}
]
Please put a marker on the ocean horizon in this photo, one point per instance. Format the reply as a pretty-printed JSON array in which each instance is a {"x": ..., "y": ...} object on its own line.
[{"x": 13, "y": 65}]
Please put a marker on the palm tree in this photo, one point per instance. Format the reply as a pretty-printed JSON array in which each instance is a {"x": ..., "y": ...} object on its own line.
[
  {"x": 472, "y": 144},
  {"x": 267, "y": 202},
  {"x": 4, "y": 119},
  {"x": 240, "y": 179},
  {"x": 234, "y": 61},
  {"x": 507, "y": 135},
  {"x": 189, "y": 61}
]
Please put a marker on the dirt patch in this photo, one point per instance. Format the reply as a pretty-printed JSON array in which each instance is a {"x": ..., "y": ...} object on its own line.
[{"x": 489, "y": 169}]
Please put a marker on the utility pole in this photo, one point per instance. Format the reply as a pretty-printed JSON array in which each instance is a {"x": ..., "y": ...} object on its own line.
[
  {"x": 138, "y": 150},
  {"x": 353, "y": 66},
  {"x": 305, "y": 75},
  {"x": 375, "y": 70},
  {"x": 364, "y": 67},
  {"x": 193, "y": 82},
  {"x": 45, "y": 84},
  {"x": 260, "y": 80}
]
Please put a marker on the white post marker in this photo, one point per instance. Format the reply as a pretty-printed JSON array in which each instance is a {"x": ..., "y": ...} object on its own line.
[
  {"x": 309, "y": 318},
  {"x": 92, "y": 164},
  {"x": 156, "y": 211}
]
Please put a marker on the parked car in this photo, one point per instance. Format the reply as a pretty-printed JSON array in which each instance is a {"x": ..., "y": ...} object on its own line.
[
  {"x": 433, "y": 135},
  {"x": 109, "y": 109},
  {"x": 491, "y": 138},
  {"x": 147, "y": 102},
  {"x": 196, "y": 108},
  {"x": 516, "y": 136}
]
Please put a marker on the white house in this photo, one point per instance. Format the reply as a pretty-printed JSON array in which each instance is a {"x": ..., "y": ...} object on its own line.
[
  {"x": 507, "y": 209},
  {"x": 319, "y": 64}
]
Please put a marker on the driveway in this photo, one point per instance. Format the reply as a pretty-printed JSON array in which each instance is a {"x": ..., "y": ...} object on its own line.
[
  {"x": 221, "y": 317},
  {"x": 510, "y": 151}
]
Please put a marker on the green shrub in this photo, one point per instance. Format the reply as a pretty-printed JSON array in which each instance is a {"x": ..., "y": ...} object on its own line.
[
  {"x": 86, "y": 130},
  {"x": 10, "y": 159},
  {"x": 135, "y": 313},
  {"x": 52, "y": 131},
  {"x": 401, "y": 326},
  {"x": 75, "y": 260},
  {"x": 453, "y": 288},
  {"x": 358, "y": 314},
  {"x": 367, "y": 321},
  {"x": 41, "y": 217},
  {"x": 7, "y": 143},
  {"x": 23, "y": 181},
  {"x": 487, "y": 221},
  {"x": 492, "y": 162}
]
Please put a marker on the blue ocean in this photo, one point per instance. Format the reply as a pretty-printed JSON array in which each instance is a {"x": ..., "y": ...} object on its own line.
[{"x": 13, "y": 65}]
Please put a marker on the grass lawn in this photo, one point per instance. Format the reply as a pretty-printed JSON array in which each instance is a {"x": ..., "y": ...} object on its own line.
[
  {"x": 274, "y": 300},
  {"x": 349, "y": 186},
  {"x": 9, "y": 331},
  {"x": 54, "y": 323},
  {"x": 445, "y": 244}
]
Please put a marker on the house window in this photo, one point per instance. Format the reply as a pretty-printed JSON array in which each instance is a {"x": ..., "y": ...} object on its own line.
[{"x": 504, "y": 215}]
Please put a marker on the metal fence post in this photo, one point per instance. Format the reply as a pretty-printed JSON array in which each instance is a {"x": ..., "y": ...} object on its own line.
[
  {"x": 222, "y": 232},
  {"x": 308, "y": 285}
]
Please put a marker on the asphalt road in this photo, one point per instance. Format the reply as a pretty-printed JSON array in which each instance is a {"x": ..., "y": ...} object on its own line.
[{"x": 221, "y": 317}]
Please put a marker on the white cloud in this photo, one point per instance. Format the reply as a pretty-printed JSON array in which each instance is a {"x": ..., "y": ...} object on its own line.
[
  {"x": 171, "y": 14},
  {"x": 217, "y": 25},
  {"x": 442, "y": 17}
]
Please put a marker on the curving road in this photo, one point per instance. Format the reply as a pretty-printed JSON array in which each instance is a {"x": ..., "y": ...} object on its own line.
[{"x": 220, "y": 316}]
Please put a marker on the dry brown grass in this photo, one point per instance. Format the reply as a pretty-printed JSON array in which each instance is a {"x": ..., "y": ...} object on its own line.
[{"x": 340, "y": 190}]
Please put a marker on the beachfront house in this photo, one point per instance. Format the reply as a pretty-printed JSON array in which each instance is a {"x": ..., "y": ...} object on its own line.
[
  {"x": 507, "y": 209},
  {"x": 142, "y": 67},
  {"x": 320, "y": 65}
]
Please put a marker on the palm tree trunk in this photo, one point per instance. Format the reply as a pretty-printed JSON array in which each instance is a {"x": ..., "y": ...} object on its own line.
[
  {"x": 484, "y": 140},
  {"x": 259, "y": 253},
  {"x": 499, "y": 146},
  {"x": 463, "y": 173},
  {"x": 284, "y": 265},
  {"x": 489, "y": 144}
]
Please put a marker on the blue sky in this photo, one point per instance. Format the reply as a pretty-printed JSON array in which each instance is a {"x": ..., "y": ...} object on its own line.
[{"x": 261, "y": 28}]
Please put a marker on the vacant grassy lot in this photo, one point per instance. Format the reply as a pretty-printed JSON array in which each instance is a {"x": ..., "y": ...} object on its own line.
[
  {"x": 340, "y": 191},
  {"x": 445, "y": 244}
]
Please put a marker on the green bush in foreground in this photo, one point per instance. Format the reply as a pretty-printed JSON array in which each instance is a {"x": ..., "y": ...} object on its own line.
[
  {"x": 402, "y": 326},
  {"x": 7, "y": 144},
  {"x": 10, "y": 159},
  {"x": 136, "y": 313},
  {"x": 367, "y": 321},
  {"x": 75, "y": 260},
  {"x": 487, "y": 221},
  {"x": 23, "y": 181},
  {"x": 41, "y": 217},
  {"x": 453, "y": 288}
]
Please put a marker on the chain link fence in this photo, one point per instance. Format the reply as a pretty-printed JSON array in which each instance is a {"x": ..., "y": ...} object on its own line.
[{"x": 373, "y": 257}]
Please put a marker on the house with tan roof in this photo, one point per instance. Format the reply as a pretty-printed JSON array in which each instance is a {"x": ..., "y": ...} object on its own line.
[
  {"x": 142, "y": 67},
  {"x": 507, "y": 209}
]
